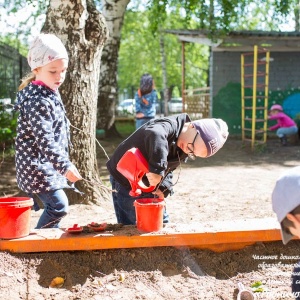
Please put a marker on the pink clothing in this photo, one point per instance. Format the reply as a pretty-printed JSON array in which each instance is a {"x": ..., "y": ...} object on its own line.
[
  {"x": 282, "y": 121},
  {"x": 39, "y": 82}
]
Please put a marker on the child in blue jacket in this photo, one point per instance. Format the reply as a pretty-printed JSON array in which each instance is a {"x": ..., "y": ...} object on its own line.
[{"x": 145, "y": 100}]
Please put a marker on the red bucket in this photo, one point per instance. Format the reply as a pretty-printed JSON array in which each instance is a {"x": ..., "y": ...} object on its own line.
[
  {"x": 15, "y": 217},
  {"x": 149, "y": 214}
]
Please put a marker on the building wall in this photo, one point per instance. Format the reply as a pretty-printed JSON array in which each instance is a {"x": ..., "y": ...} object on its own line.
[
  {"x": 284, "y": 80},
  {"x": 284, "y": 69},
  {"x": 226, "y": 67}
]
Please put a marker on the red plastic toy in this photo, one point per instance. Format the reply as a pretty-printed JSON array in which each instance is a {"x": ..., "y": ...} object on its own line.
[
  {"x": 75, "y": 229},
  {"x": 134, "y": 166},
  {"x": 97, "y": 227}
]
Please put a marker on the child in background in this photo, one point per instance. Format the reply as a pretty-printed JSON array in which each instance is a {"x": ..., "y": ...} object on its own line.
[
  {"x": 286, "y": 205},
  {"x": 43, "y": 167},
  {"x": 285, "y": 125},
  {"x": 145, "y": 100}
]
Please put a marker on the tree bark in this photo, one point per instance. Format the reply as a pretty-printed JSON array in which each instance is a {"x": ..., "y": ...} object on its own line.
[
  {"x": 83, "y": 30},
  {"x": 113, "y": 12},
  {"x": 164, "y": 72},
  {"x": 296, "y": 14}
]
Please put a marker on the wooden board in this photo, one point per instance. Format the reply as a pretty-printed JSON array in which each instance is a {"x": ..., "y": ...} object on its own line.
[{"x": 217, "y": 236}]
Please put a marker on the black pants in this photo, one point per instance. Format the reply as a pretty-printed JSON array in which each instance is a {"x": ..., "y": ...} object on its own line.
[{"x": 296, "y": 281}]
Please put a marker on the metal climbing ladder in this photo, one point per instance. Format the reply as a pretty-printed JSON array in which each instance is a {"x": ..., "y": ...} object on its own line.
[{"x": 254, "y": 94}]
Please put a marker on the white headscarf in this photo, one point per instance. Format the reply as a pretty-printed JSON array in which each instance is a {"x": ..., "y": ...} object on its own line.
[{"x": 44, "y": 49}]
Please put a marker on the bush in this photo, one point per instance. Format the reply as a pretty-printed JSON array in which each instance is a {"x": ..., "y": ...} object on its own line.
[{"x": 8, "y": 126}]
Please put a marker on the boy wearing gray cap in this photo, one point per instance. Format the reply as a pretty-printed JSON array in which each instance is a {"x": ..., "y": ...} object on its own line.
[
  {"x": 286, "y": 205},
  {"x": 165, "y": 143}
]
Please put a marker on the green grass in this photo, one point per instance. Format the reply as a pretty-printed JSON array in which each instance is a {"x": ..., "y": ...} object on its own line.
[{"x": 125, "y": 127}]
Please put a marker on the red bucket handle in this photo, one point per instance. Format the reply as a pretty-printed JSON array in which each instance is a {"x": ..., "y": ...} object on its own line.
[{"x": 16, "y": 202}]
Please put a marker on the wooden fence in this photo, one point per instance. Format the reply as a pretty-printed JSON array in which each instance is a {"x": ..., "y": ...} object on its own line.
[
  {"x": 13, "y": 67},
  {"x": 197, "y": 103}
]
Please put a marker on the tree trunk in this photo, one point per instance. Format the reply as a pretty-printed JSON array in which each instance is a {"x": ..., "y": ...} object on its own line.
[
  {"x": 164, "y": 72},
  {"x": 296, "y": 14},
  {"x": 83, "y": 31},
  {"x": 114, "y": 12}
]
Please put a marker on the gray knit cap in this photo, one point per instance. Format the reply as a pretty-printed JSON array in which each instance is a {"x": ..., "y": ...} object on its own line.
[{"x": 214, "y": 133}]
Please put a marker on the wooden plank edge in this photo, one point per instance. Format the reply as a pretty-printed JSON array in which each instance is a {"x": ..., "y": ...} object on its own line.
[{"x": 216, "y": 241}]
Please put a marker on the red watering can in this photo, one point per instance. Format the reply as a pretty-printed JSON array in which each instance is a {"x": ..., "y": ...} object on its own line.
[{"x": 134, "y": 166}]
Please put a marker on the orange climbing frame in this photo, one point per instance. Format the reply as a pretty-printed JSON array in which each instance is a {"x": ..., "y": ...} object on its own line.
[{"x": 218, "y": 237}]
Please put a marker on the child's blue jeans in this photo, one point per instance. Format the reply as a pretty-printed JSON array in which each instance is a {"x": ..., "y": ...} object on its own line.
[
  {"x": 56, "y": 206},
  {"x": 140, "y": 122},
  {"x": 123, "y": 204},
  {"x": 281, "y": 132}
]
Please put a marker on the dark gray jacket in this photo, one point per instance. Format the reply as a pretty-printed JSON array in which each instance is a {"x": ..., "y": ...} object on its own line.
[{"x": 157, "y": 141}]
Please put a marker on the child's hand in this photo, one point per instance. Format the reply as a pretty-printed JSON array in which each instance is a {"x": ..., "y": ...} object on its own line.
[
  {"x": 154, "y": 179},
  {"x": 72, "y": 174},
  {"x": 159, "y": 194},
  {"x": 139, "y": 115}
]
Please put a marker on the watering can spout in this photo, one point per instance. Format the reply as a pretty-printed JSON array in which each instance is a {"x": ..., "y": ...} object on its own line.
[{"x": 134, "y": 166}]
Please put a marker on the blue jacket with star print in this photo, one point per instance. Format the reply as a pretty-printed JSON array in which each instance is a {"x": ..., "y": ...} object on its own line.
[{"x": 42, "y": 140}]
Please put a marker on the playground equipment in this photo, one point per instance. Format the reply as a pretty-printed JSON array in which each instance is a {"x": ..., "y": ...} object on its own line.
[{"x": 255, "y": 79}]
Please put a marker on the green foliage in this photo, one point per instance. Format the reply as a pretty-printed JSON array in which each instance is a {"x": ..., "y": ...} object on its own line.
[
  {"x": 212, "y": 15},
  {"x": 8, "y": 126},
  {"x": 267, "y": 15},
  {"x": 257, "y": 287},
  {"x": 221, "y": 16},
  {"x": 285, "y": 6},
  {"x": 14, "y": 42},
  {"x": 125, "y": 128},
  {"x": 27, "y": 22},
  {"x": 140, "y": 53}
]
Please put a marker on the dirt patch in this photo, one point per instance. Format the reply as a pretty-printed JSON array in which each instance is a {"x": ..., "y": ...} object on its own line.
[{"x": 234, "y": 184}]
